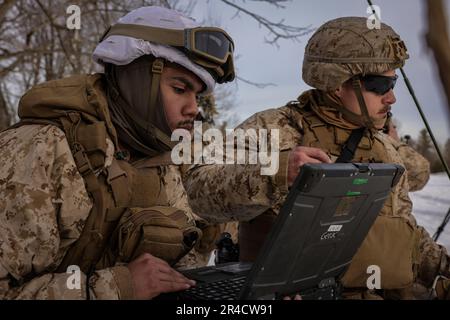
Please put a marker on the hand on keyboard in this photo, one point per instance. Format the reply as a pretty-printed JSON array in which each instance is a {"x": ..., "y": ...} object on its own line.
[{"x": 152, "y": 276}]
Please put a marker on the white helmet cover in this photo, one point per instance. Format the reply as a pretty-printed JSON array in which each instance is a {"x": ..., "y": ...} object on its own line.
[{"x": 121, "y": 50}]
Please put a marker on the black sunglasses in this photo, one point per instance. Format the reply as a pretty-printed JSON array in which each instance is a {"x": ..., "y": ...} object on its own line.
[{"x": 379, "y": 84}]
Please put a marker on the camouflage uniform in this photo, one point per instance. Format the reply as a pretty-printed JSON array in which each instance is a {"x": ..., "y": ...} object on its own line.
[
  {"x": 240, "y": 192},
  {"x": 44, "y": 209},
  {"x": 45, "y": 206},
  {"x": 418, "y": 168},
  {"x": 85, "y": 175},
  {"x": 409, "y": 259}
]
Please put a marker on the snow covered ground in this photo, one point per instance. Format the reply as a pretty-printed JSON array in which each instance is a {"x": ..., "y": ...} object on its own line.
[{"x": 430, "y": 205}]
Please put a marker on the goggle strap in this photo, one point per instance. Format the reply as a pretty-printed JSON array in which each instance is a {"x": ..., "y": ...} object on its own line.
[
  {"x": 356, "y": 83},
  {"x": 219, "y": 71},
  {"x": 214, "y": 67},
  {"x": 168, "y": 37}
]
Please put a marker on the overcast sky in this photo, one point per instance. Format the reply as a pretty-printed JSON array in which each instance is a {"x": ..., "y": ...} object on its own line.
[{"x": 262, "y": 62}]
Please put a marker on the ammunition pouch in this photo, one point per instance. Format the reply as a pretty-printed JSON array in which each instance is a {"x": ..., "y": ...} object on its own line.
[
  {"x": 394, "y": 261},
  {"x": 163, "y": 232}
]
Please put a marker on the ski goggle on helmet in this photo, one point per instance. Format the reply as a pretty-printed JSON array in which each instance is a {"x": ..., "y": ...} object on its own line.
[{"x": 209, "y": 47}]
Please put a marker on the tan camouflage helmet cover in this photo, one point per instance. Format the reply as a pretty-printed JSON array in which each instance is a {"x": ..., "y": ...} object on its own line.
[{"x": 344, "y": 47}]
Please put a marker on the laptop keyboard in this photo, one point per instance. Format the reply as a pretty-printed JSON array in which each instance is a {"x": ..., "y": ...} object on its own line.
[{"x": 227, "y": 289}]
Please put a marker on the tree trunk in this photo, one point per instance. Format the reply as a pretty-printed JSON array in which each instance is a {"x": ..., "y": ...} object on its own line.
[
  {"x": 439, "y": 42},
  {"x": 5, "y": 116}
]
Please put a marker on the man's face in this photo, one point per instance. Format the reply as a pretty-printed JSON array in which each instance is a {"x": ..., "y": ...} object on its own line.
[
  {"x": 377, "y": 105},
  {"x": 179, "y": 88}
]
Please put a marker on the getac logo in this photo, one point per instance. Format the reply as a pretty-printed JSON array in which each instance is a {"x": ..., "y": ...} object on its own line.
[
  {"x": 331, "y": 233},
  {"x": 328, "y": 235}
]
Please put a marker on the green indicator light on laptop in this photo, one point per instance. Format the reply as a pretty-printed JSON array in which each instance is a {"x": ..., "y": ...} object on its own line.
[
  {"x": 353, "y": 193},
  {"x": 360, "y": 181}
]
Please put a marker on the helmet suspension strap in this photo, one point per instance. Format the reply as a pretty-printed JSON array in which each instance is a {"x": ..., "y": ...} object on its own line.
[{"x": 356, "y": 83}]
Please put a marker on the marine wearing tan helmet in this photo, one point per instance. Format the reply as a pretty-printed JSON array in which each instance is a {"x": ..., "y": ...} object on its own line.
[
  {"x": 344, "y": 49},
  {"x": 341, "y": 56}
]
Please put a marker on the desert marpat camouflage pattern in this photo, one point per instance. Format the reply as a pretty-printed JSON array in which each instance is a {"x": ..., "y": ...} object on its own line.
[
  {"x": 239, "y": 192},
  {"x": 43, "y": 210},
  {"x": 344, "y": 47},
  {"x": 418, "y": 168},
  {"x": 252, "y": 191}
]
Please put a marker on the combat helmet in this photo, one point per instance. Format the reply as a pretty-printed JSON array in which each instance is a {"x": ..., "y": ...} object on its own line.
[{"x": 346, "y": 48}]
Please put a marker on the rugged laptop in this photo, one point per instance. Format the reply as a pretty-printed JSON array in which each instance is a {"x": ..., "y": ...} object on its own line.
[{"x": 327, "y": 214}]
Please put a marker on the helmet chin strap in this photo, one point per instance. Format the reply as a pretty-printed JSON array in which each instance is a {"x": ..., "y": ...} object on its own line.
[
  {"x": 157, "y": 68},
  {"x": 356, "y": 84},
  {"x": 362, "y": 119}
]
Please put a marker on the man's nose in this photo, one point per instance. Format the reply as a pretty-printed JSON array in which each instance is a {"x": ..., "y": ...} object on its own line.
[
  {"x": 389, "y": 97},
  {"x": 191, "y": 107}
]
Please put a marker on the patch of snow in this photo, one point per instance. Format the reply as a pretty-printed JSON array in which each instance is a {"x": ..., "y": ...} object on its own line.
[{"x": 430, "y": 205}]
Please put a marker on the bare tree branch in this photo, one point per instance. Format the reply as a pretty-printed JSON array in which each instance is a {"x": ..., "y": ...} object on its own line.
[
  {"x": 256, "y": 84},
  {"x": 5, "y": 115},
  {"x": 5, "y": 70},
  {"x": 58, "y": 28},
  {"x": 278, "y": 30},
  {"x": 276, "y": 3},
  {"x": 439, "y": 42},
  {"x": 36, "y": 46}
]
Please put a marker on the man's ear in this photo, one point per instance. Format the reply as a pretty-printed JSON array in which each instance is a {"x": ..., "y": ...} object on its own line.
[{"x": 338, "y": 91}]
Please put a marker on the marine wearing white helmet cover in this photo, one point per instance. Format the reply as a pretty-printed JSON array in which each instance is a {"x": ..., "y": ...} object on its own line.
[{"x": 85, "y": 183}]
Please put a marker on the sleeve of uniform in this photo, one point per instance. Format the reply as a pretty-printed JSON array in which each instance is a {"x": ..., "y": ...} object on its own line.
[
  {"x": 417, "y": 166},
  {"x": 434, "y": 259},
  {"x": 43, "y": 210},
  {"x": 112, "y": 283},
  {"x": 224, "y": 192}
]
